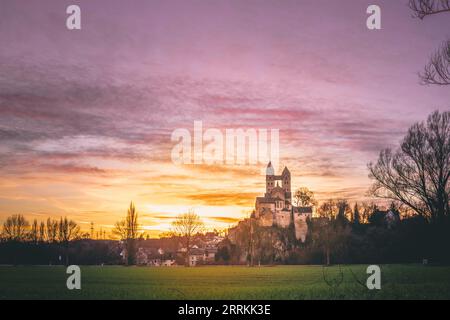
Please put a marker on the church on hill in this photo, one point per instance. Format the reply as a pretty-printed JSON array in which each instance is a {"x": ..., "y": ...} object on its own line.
[{"x": 276, "y": 207}]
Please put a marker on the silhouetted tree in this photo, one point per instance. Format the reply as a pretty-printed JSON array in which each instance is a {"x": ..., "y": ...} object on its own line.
[
  {"x": 223, "y": 254},
  {"x": 128, "y": 231},
  {"x": 68, "y": 231},
  {"x": 185, "y": 227},
  {"x": 328, "y": 211},
  {"x": 366, "y": 210},
  {"x": 417, "y": 174},
  {"x": 377, "y": 217},
  {"x": 15, "y": 228},
  {"x": 356, "y": 215},
  {"x": 437, "y": 71},
  {"x": 34, "y": 232},
  {"x": 304, "y": 198},
  {"x": 332, "y": 230},
  {"x": 424, "y": 8},
  {"x": 42, "y": 231},
  {"x": 52, "y": 230},
  {"x": 344, "y": 211}
]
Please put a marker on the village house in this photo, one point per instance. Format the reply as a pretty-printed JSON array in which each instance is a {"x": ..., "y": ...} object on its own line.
[
  {"x": 196, "y": 257},
  {"x": 152, "y": 257},
  {"x": 199, "y": 256}
]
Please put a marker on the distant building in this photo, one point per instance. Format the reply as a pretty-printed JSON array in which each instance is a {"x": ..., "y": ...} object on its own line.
[
  {"x": 276, "y": 208},
  {"x": 196, "y": 257},
  {"x": 199, "y": 256},
  {"x": 392, "y": 218},
  {"x": 209, "y": 255},
  {"x": 212, "y": 239},
  {"x": 151, "y": 257}
]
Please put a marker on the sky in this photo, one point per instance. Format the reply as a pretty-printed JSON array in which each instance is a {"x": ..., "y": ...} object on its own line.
[{"x": 86, "y": 116}]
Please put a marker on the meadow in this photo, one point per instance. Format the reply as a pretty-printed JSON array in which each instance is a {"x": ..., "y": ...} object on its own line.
[{"x": 225, "y": 282}]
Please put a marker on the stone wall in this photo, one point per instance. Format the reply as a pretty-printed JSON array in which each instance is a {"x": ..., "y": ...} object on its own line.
[
  {"x": 301, "y": 227},
  {"x": 266, "y": 219},
  {"x": 283, "y": 219},
  {"x": 263, "y": 208}
]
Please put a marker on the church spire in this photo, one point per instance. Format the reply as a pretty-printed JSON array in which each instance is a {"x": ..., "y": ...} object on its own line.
[{"x": 269, "y": 170}]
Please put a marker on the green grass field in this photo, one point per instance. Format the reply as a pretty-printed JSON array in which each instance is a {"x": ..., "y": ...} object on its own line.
[{"x": 221, "y": 282}]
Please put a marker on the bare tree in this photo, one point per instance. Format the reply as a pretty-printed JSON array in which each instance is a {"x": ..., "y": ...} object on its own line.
[
  {"x": 34, "y": 232},
  {"x": 68, "y": 230},
  {"x": 367, "y": 209},
  {"x": 423, "y": 8},
  {"x": 42, "y": 232},
  {"x": 417, "y": 174},
  {"x": 344, "y": 210},
  {"x": 16, "y": 228},
  {"x": 52, "y": 230},
  {"x": 185, "y": 227},
  {"x": 333, "y": 229},
  {"x": 437, "y": 71},
  {"x": 356, "y": 215},
  {"x": 328, "y": 211},
  {"x": 304, "y": 197},
  {"x": 128, "y": 231}
]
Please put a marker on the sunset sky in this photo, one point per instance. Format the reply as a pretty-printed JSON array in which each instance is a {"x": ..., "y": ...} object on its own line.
[{"x": 86, "y": 116}]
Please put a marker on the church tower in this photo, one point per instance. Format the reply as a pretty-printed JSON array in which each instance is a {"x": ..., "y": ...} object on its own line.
[
  {"x": 286, "y": 183},
  {"x": 270, "y": 178}
]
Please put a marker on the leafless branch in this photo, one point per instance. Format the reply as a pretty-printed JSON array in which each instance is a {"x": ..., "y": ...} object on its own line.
[
  {"x": 437, "y": 71},
  {"x": 418, "y": 173},
  {"x": 423, "y": 8}
]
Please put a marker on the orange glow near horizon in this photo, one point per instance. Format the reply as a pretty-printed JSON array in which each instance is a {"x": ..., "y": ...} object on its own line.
[
  {"x": 86, "y": 116},
  {"x": 221, "y": 195}
]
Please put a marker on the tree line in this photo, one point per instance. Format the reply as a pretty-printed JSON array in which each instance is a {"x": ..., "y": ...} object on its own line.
[
  {"x": 17, "y": 228},
  {"x": 415, "y": 177},
  {"x": 185, "y": 227}
]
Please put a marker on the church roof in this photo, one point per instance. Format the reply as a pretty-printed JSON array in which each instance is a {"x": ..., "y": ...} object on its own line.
[
  {"x": 268, "y": 199},
  {"x": 277, "y": 189},
  {"x": 269, "y": 170},
  {"x": 264, "y": 199}
]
